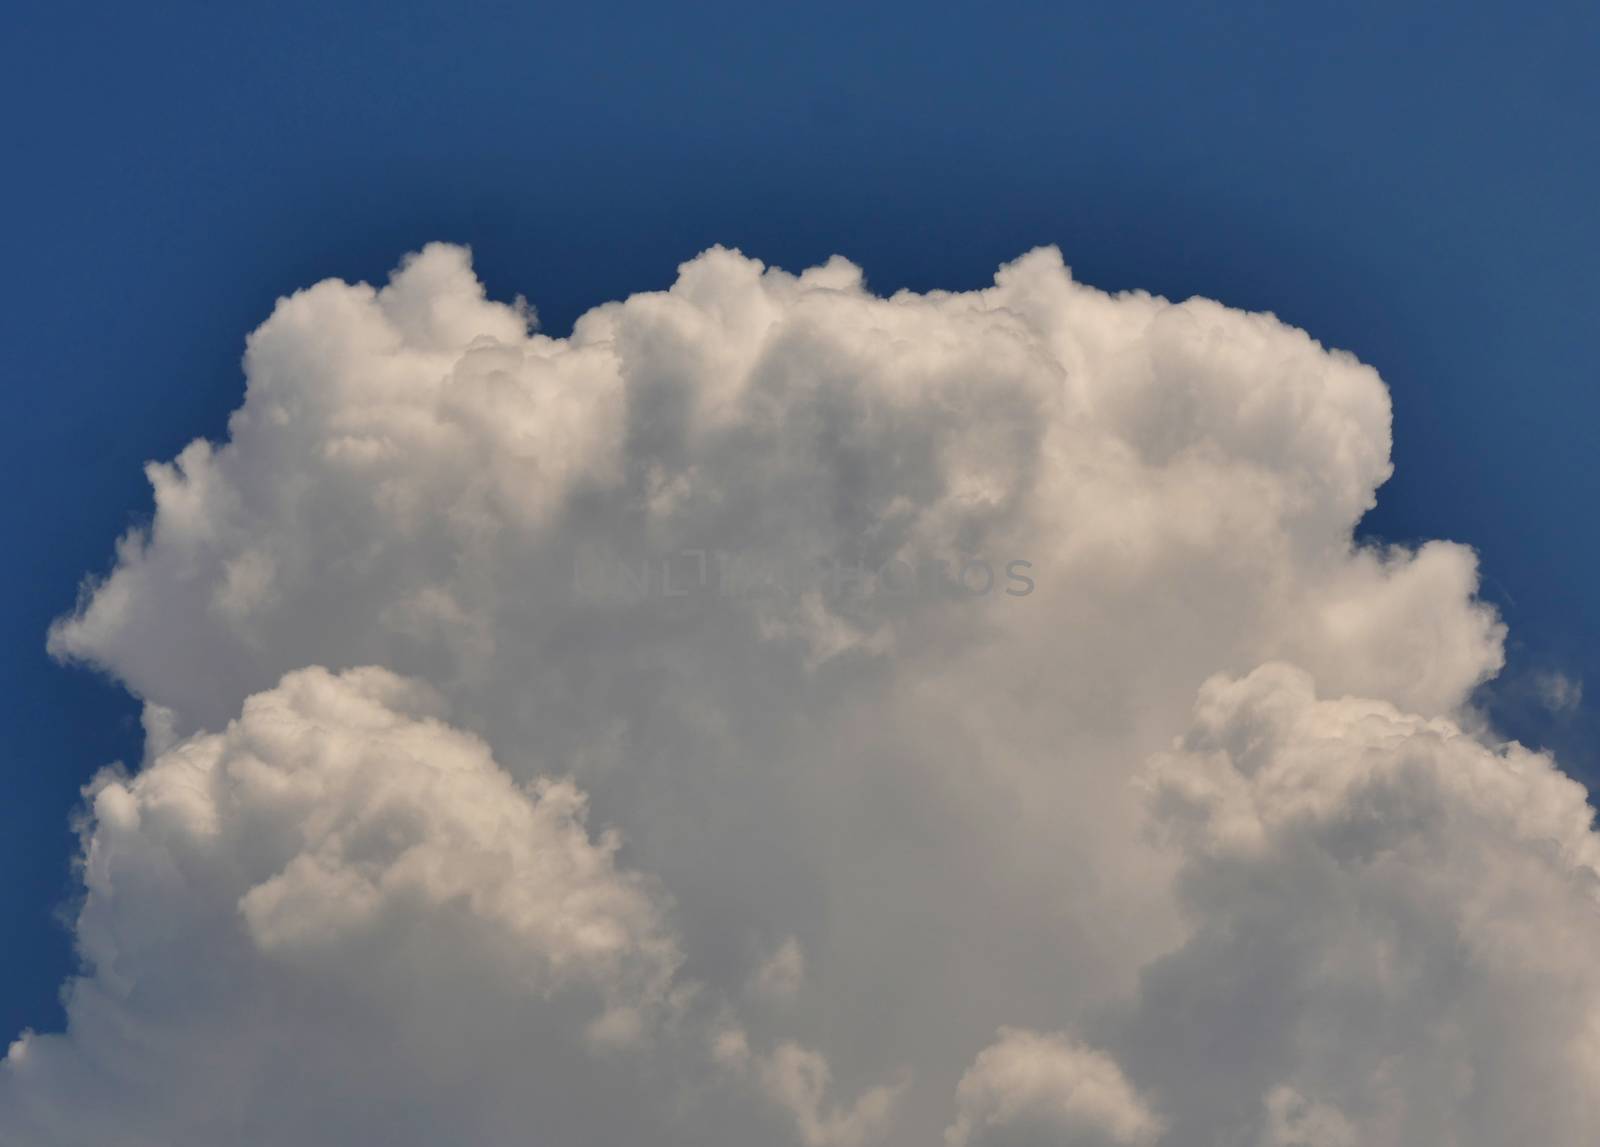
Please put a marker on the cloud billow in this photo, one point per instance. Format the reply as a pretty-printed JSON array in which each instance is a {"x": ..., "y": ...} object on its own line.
[{"x": 1197, "y": 842}]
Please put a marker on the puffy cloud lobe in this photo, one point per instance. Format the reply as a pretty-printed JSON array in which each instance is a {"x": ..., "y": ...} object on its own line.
[
  {"x": 1294, "y": 1122},
  {"x": 781, "y": 977},
  {"x": 799, "y": 1082},
  {"x": 337, "y": 883},
  {"x": 1031, "y": 1090},
  {"x": 798, "y": 1079},
  {"x": 1394, "y": 930},
  {"x": 406, "y": 455},
  {"x": 927, "y": 794}
]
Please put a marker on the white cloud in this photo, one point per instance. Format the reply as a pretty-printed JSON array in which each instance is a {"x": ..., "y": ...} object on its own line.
[
  {"x": 1339, "y": 920},
  {"x": 799, "y": 1079},
  {"x": 780, "y": 979},
  {"x": 1392, "y": 920},
  {"x": 1294, "y": 1122},
  {"x": 1558, "y": 692},
  {"x": 336, "y": 887},
  {"x": 1031, "y": 1090}
]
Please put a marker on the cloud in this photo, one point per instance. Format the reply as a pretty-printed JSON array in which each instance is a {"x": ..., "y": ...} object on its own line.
[
  {"x": 1031, "y": 1090},
  {"x": 1557, "y": 692},
  {"x": 1394, "y": 928},
  {"x": 1292, "y": 1121},
  {"x": 781, "y": 977},
  {"x": 959, "y": 811},
  {"x": 798, "y": 1079},
  {"x": 337, "y": 885}
]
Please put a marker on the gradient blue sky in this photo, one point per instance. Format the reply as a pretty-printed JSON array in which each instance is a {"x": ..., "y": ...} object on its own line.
[{"x": 1412, "y": 183}]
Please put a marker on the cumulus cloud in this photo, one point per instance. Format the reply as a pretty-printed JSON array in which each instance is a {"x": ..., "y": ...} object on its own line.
[
  {"x": 1031, "y": 1090},
  {"x": 337, "y": 884},
  {"x": 1392, "y": 921},
  {"x": 776, "y": 864}
]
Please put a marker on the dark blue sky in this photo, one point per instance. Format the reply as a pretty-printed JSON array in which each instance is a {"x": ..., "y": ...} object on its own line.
[{"x": 1412, "y": 182}]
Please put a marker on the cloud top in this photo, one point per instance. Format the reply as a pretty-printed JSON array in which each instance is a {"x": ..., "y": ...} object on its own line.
[{"x": 1203, "y": 823}]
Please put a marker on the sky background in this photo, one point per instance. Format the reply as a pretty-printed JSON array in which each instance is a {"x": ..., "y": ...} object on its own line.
[{"x": 1415, "y": 189}]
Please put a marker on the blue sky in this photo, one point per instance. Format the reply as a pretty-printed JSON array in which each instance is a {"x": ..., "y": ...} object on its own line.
[{"x": 1411, "y": 185}]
